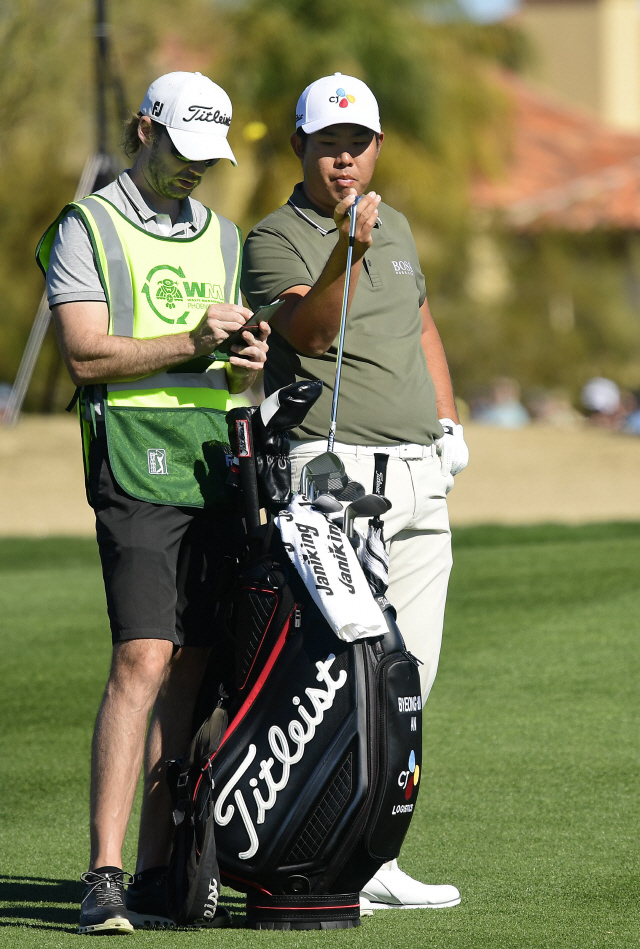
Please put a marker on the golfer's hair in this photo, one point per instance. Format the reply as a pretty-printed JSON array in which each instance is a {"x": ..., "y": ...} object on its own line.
[
  {"x": 303, "y": 135},
  {"x": 130, "y": 141}
]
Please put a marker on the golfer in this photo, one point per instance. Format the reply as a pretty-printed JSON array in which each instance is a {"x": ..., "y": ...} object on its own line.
[
  {"x": 143, "y": 282},
  {"x": 396, "y": 394}
]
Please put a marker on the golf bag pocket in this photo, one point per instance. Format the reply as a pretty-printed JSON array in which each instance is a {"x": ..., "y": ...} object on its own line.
[
  {"x": 400, "y": 755},
  {"x": 193, "y": 881}
]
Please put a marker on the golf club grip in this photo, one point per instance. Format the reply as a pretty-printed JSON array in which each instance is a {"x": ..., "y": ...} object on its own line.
[
  {"x": 354, "y": 220},
  {"x": 247, "y": 465}
]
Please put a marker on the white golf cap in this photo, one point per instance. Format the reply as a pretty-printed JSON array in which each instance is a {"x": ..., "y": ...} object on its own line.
[
  {"x": 196, "y": 113},
  {"x": 337, "y": 100}
]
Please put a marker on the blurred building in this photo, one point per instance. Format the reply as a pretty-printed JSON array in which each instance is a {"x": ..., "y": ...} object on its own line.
[
  {"x": 588, "y": 55},
  {"x": 566, "y": 170}
]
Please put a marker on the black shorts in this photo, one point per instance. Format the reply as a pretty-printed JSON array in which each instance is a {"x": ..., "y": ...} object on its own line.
[{"x": 159, "y": 562}]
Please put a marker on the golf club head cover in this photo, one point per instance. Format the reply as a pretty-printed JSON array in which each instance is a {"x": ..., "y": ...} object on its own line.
[
  {"x": 287, "y": 407},
  {"x": 284, "y": 409}
]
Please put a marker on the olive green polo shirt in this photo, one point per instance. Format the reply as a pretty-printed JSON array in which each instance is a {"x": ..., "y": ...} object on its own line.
[{"x": 386, "y": 391}]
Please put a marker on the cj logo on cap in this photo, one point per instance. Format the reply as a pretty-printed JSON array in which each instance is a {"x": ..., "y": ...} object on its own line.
[{"x": 342, "y": 98}]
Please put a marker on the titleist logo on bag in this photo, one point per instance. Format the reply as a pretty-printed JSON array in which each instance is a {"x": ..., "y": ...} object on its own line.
[{"x": 301, "y": 731}]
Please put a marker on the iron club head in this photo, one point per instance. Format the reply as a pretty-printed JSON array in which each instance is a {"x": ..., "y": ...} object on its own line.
[{"x": 371, "y": 505}]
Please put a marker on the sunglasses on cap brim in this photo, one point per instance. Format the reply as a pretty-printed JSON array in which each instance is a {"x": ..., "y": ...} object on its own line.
[{"x": 209, "y": 163}]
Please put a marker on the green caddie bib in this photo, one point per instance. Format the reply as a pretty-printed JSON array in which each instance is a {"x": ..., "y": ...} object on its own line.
[{"x": 166, "y": 434}]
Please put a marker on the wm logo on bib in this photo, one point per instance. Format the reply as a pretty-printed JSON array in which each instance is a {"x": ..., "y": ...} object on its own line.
[{"x": 173, "y": 298}]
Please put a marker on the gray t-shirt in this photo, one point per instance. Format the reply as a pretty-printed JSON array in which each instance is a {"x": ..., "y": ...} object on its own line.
[
  {"x": 386, "y": 393},
  {"x": 72, "y": 275}
]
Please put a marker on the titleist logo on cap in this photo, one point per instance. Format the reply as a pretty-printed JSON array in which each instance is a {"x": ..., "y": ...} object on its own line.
[{"x": 205, "y": 113}]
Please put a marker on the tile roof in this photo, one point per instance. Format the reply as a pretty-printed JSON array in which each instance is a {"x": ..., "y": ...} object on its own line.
[{"x": 566, "y": 169}]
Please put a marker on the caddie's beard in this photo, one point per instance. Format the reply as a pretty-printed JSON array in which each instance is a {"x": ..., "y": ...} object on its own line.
[{"x": 163, "y": 183}]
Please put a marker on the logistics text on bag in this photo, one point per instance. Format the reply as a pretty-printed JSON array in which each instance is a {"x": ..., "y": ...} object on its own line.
[{"x": 301, "y": 733}]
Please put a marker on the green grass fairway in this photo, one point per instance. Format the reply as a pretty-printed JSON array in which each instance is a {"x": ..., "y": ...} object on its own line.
[{"x": 529, "y": 800}]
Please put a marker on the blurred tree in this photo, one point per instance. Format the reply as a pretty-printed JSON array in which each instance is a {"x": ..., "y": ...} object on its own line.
[
  {"x": 46, "y": 133},
  {"x": 445, "y": 116},
  {"x": 551, "y": 309}
]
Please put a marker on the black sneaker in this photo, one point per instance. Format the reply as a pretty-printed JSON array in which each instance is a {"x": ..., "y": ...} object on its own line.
[
  {"x": 146, "y": 900},
  {"x": 102, "y": 909}
]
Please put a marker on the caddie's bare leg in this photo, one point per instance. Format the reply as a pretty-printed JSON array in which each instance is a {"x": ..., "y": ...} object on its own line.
[
  {"x": 137, "y": 670},
  {"x": 168, "y": 737}
]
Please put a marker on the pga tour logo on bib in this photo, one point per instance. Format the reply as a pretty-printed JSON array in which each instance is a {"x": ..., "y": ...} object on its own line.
[
  {"x": 157, "y": 461},
  {"x": 173, "y": 297}
]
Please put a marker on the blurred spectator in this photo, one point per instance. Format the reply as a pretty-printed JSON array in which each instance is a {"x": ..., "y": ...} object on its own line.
[
  {"x": 5, "y": 392},
  {"x": 632, "y": 420},
  {"x": 504, "y": 408},
  {"x": 602, "y": 399},
  {"x": 553, "y": 407}
]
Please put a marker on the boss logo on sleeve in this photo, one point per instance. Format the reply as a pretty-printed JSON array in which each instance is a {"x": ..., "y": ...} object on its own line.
[{"x": 402, "y": 267}]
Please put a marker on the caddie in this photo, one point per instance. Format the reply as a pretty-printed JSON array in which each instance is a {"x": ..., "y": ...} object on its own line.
[
  {"x": 143, "y": 283},
  {"x": 396, "y": 395}
]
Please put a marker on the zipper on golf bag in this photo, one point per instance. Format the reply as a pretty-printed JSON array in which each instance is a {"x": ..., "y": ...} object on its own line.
[{"x": 193, "y": 880}]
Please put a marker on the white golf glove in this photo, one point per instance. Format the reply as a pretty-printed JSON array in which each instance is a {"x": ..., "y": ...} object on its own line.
[{"x": 452, "y": 448}]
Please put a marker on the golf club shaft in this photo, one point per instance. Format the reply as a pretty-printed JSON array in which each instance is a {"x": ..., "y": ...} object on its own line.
[{"x": 343, "y": 324}]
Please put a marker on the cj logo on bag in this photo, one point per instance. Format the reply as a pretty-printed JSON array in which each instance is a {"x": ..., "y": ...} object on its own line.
[
  {"x": 157, "y": 461},
  {"x": 173, "y": 298},
  {"x": 408, "y": 780}
]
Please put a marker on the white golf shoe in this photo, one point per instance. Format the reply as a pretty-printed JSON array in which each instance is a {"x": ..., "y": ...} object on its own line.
[{"x": 392, "y": 888}]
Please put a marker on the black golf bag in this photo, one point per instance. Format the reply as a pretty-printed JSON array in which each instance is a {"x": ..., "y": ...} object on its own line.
[{"x": 313, "y": 785}]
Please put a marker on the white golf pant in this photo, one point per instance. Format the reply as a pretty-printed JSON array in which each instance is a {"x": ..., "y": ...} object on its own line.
[{"x": 418, "y": 539}]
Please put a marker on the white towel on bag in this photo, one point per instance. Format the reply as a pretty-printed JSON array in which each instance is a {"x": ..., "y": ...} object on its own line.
[{"x": 330, "y": 570}]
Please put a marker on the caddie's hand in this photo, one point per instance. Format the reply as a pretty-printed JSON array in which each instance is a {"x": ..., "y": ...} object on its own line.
[
  {"x": 252, "y": 354},
  {"x": 367, "y": 215},
  {"x": 218, "y": 323},
  {"x": 452, "y": 448}
]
